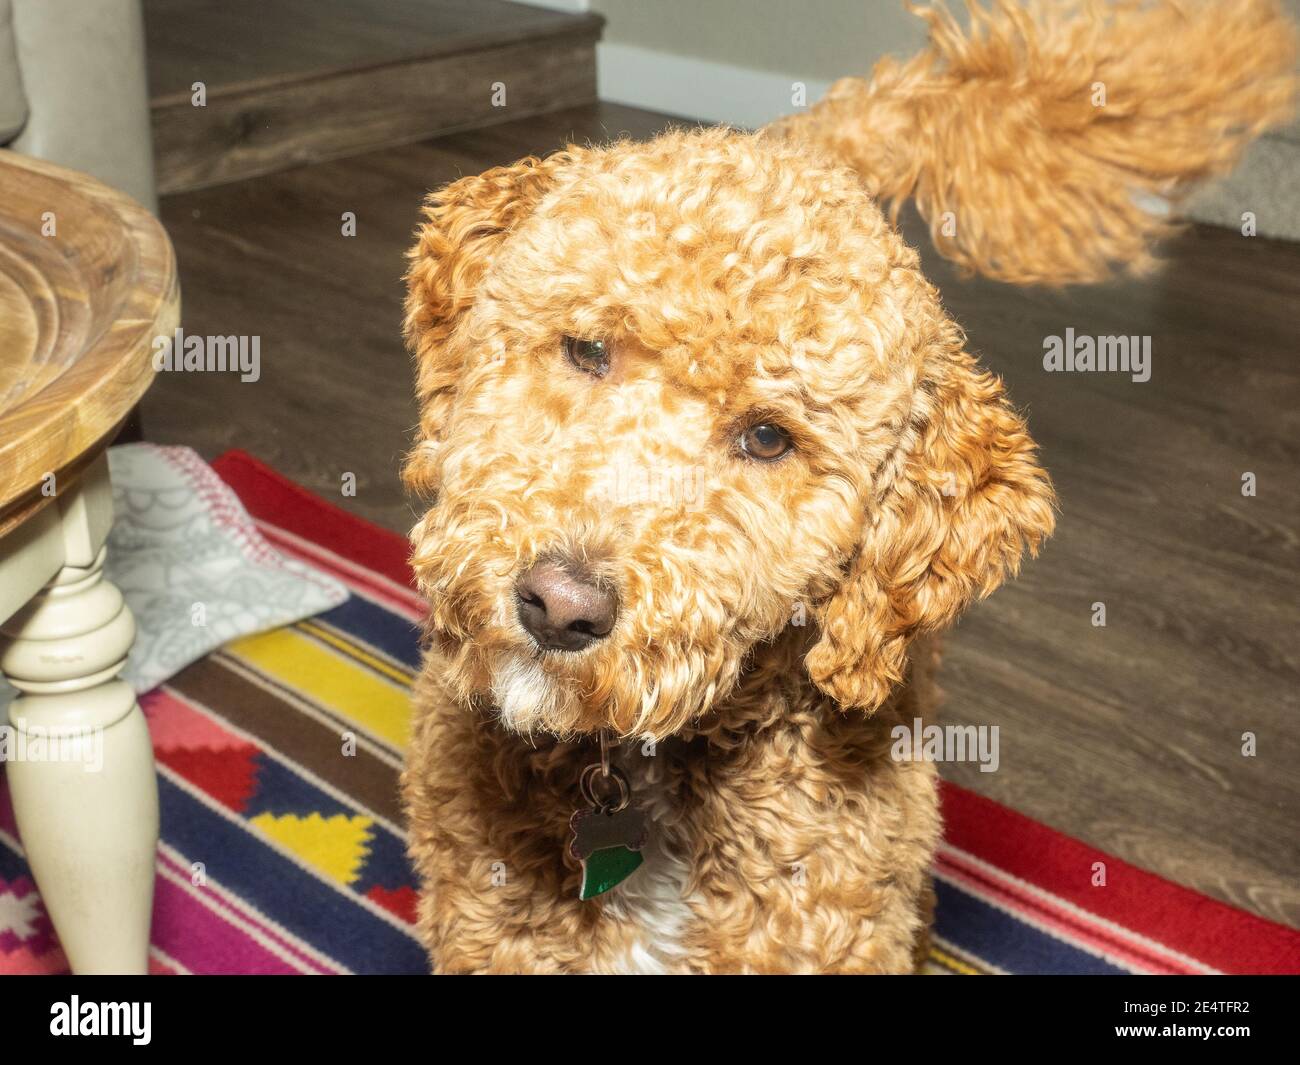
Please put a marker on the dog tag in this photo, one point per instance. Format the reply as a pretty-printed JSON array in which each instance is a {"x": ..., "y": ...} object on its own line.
[
  {"x": 608, "y": 845},
  {"x": 606, "y": 836}
]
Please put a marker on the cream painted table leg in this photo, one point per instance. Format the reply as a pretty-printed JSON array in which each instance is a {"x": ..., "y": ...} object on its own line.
[{"x": 89, "y": 817}]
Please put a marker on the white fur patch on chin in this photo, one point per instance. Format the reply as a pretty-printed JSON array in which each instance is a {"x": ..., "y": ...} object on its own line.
[{"x": 523, "y": 693}]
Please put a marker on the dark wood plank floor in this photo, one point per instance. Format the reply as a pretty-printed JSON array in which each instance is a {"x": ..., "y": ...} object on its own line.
[
  {"x": 1128, "y": 736},
  {"x": 245, "y": 43},
  {"x": 300, "y": 81}
]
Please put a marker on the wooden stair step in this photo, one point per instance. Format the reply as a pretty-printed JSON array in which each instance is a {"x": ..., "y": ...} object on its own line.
[{"x": 290, "y": 82}]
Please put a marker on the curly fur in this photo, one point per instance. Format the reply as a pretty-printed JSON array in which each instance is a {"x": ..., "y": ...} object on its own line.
[
  {"x": 735, "y": 278},
  {"x": 1023, "y": 175}
]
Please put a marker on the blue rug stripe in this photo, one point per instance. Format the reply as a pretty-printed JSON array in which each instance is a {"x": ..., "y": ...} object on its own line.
[
  {"x": 381, "y": 629},
  {"x": 12, "y": 865},
  {"x": 280, "y": 790},
  {"x": 1001, "y": 940},
  {"x": 387, "y": 865},
  {"x": 283, "y": 891}
]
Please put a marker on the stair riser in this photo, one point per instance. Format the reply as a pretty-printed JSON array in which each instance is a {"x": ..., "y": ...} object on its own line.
[{"x": 259, "y": 131}]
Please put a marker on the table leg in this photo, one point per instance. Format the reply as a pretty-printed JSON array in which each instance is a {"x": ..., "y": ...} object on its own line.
[{"x": 84, "y": 791}]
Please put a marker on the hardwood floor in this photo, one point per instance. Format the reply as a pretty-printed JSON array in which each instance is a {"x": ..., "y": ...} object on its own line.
[
  {"x": 300, "y": 81},
  {"x": 1128, "y": 736},
  {"x": 247, "y": 43},
  {"x": 1131, "y": 736}
]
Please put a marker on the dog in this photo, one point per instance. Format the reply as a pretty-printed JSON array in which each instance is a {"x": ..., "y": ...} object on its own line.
[{"x": 709, "y": 470}]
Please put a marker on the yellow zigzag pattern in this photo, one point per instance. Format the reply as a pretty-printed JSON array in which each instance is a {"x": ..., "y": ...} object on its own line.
[{"x": 336, "y": 846}]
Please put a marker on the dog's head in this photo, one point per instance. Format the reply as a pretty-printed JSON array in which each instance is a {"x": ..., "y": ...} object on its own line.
[{"x": 677, "y": 397}]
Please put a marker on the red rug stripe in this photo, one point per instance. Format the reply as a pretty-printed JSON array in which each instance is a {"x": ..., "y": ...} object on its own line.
[
  {"x": 1211, "y": 931},
  {"x": 271, "y": 497},
  {"x": 1208, "y": 930},
  {"x": 401, "y": 901},
  {"x": 229, "y": 776}
]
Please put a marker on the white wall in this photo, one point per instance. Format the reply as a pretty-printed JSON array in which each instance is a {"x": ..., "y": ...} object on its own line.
[
  {"x": 560, "y": 5},
  {"x": 741, "y": 61}
]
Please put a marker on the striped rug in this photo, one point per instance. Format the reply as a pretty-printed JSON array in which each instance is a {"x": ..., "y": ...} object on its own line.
[{"x": 282, "y": 847}]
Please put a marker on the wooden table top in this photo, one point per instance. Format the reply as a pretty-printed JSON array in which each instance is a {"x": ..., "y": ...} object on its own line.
[{"x": 87, "y": 280}]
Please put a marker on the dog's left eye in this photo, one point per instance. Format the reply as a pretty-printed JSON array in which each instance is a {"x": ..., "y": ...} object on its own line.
[
  {"x": 590, "y": 356},
  {"x": 765, "y": 442}
]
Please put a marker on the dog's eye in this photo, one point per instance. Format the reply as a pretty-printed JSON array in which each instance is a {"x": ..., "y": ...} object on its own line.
[
  {"x": 765, "y": 442},
  {"x": 590, "y": 356}
]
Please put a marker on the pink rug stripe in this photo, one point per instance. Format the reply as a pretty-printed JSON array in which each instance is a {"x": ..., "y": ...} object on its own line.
[
  {"x": 203, "y": 938},
  {"x": 264, "y": 937}
]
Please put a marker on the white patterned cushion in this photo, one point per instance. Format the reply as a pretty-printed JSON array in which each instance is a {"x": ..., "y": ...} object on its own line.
[{"x": 183, "y": 549}]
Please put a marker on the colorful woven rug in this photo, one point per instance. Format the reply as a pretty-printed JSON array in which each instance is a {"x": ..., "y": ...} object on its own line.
[{"x": 282, "y": 848}]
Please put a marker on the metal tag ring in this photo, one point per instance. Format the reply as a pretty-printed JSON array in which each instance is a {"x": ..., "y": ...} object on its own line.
[{"x": 587, "y": 782}]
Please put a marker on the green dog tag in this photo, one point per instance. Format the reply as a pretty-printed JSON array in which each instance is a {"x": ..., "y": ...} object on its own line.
[
  {"x": 608, "y": 845},
  {"x": 607, "y": 868}
]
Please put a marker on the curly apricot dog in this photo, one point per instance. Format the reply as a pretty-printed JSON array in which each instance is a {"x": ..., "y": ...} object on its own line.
[{"x": 709, "y": 466}]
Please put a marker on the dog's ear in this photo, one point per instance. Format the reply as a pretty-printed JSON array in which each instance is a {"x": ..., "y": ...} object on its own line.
[
  {"x": 965, "y": 502},
  {"x": 464, "y": 224}
]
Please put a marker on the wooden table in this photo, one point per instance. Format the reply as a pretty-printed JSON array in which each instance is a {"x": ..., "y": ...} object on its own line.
[{"x": 87, "y": 280}]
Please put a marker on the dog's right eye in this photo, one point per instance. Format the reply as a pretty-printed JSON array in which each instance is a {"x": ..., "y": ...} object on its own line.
[
  {"x": 765, "y": 442},
  {"x": 589, "y": 356}
]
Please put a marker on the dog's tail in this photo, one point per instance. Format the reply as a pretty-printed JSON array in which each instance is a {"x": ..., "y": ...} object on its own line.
[{"x": 1052, "y": 140}]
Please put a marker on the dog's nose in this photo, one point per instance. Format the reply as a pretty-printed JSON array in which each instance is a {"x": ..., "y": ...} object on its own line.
[{"x": 563, "y": 611}]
